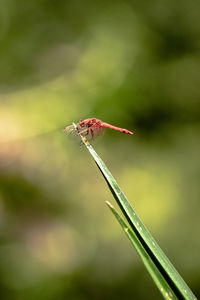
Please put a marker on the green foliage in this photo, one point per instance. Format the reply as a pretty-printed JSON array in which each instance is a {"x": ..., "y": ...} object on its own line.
[
  {"x": 145, "y": 245},
  {"x": 164, "y": 288}
]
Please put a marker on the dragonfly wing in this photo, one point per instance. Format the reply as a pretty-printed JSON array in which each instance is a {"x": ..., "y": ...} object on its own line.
[
  {"x": 95, "y": 131},
  {"x": 91, "y": 132},
  {"x": 69, "y": 130},
  {"x": 98, "y": 131}
]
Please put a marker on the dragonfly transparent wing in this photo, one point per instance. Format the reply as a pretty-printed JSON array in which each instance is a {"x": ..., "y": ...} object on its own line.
[
  {"x": 72, "y": 133},
  {"x": 70, "y": 130},
  {"x": 98, "y": 131},
  {"x": 90, "y": 133}
]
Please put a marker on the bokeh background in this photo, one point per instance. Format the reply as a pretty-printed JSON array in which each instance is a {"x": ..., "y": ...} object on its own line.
[{"x": 134, "y": 64}]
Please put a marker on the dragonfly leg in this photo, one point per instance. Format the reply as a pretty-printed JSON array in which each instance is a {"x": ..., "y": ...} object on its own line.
[
  {"x": 92, "y": 134},
  {"x": 84, "y": 132}
]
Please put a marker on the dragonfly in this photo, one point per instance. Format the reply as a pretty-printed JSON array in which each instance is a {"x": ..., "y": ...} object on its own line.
[{"x": 91, "y": 128}]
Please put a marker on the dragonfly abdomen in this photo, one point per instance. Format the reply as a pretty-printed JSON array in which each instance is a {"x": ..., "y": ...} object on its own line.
[{"x": 123, "y": 130}]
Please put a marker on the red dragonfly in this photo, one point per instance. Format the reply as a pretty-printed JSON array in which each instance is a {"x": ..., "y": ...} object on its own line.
[{"x": 92, "y": 128}]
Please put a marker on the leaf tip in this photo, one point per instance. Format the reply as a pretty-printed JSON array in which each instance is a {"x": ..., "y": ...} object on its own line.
[{"x": 109, "y": 204}]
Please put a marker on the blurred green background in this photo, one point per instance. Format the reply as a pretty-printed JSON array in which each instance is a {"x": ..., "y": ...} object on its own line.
[{"x": 134, "y": 64}]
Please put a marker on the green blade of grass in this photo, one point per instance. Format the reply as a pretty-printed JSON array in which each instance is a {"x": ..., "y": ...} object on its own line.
[
  {"x": 174, "y": 280},
  {"x": 162, "y": 285}
]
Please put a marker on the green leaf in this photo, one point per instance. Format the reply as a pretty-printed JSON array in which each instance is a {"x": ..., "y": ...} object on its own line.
[
  {"x": 162, "y": 285},
  {"x": 165, "y": 267}
]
